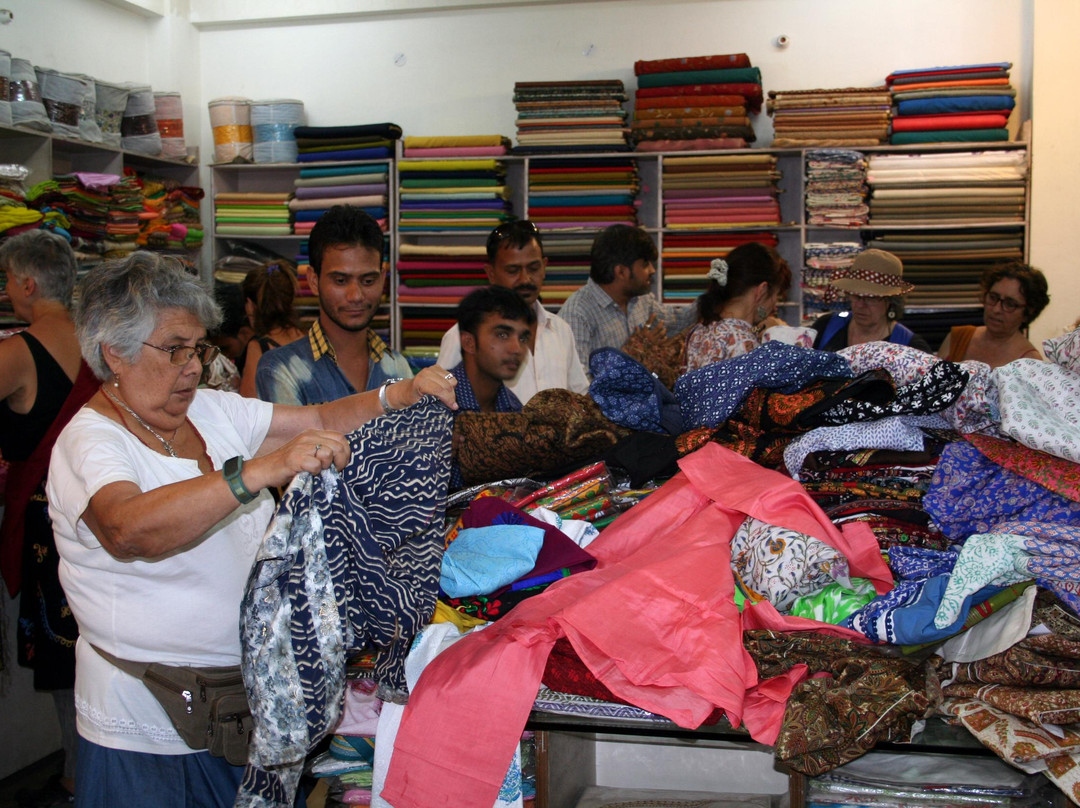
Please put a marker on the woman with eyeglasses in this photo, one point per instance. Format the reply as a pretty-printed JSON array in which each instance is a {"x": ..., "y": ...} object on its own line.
[
  {"x": 158, "y": 496},
  {"x": 1013, "y": 295}
]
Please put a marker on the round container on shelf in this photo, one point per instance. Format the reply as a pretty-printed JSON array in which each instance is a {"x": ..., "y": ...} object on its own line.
[
  {"x": 169, "y": 113},
  {"x": 25, "y": 97},
  {"x": 138, "y": 127},
  {"x": 230, "y": 120},
  {"x": 109, "y": 105},
  {"x": 272, "y": 124},
  {"x": 5, "y": 80}
]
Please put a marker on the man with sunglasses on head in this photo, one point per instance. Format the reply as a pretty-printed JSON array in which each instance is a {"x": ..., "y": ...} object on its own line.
[
  {"x": 342, "y": 353},
  {"x": 516, "y": 261},
  {"x": 618, "y": 298}
]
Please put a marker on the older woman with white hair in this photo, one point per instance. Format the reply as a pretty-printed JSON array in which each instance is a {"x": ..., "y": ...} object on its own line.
[{"x": 158, "y": 494}]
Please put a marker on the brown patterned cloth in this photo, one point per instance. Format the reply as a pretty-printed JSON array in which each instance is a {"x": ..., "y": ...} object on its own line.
[
  {"x": 1039, "y": 706},
  {"x": 1049, "y": 661},
  {"x": 868, "y": 698},
  {"x": 555, "y": 428},
  {"x": 663, "y": 355}
]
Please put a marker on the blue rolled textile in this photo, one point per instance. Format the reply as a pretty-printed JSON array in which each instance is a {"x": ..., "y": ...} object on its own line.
[
  {"x": 347, "y": 154},
  {"x": 957, "y": 103}
]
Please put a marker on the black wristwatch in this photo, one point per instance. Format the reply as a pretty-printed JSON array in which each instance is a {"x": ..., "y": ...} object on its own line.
[{"x": 232, "y": 468}]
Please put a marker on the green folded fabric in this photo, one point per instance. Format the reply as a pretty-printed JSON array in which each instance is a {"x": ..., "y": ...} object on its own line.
[
  {"x": 949, "y": 136},
  {"x": 738, "y": 75},
  {"x": 834, "y": 603}
]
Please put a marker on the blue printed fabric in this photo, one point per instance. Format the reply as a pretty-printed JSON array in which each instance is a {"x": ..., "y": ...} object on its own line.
[
  {"x": 905, "y": 616},
  {"x": 350, "y": 561},
  {"x": 943, "y": 105},
  {"x": 709, "y": 395},
  {"x": 1054, "y": 559},
  {"x": 986, "y": 559},
  {"x": 970, "y": 494},
  {"x": 630, "y": 395},
  {"x": 887, "y": 433},
  {"x": 915, "y": 563}
]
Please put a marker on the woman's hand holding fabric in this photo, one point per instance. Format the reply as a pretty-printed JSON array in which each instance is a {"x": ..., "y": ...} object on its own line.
[{"x": 312, "y": 451}]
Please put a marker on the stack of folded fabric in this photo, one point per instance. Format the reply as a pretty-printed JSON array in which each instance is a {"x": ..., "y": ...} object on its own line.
[
  {"x": 15, "y": 214},
  {"x": 457, "y": 146},
  {"x": 836, "y": 188},
  {"x": 723, "y": 191},
  {"x": 958, "y": 188},
  {"x": 252, "y": 214},
  {"x": 584, "y": 193},
  {"x": 84, "y": 198},
  {"x": 433, "y": 278},
  {"x": 170, "y": 218},
  {"x": 686, "y": 258},
  {"x": 317, "y": 190},
  {"x": 853, "y": 116},
  {"x": 564, "y": 116},
  {"x": 820, "y": 261},
  {"x": 964, "y": 103},
  {"x": 699, "y": 102},
  {"x": 125, "y": 216},
  {"x": 455, "y": 195},
  {"x": 567, "y": 269},
  {"x": 318, "y": 144}
]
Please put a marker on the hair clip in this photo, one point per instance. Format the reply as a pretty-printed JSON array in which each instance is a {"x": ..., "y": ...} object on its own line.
[
  {"x": 272, "y": 268},
  {"x": 718, "y": 270}
]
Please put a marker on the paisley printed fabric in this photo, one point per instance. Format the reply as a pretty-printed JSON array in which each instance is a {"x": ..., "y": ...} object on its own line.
[
  {"x": 1054, "y": 556},
  {"x": 888, "y": 433},
  {"x": 1039, "y": 406},
  {"x": 1060, "y": 476},
  {"x": 779, "y": 565},
  {"x": 914, "y": 563},
  {"x": 1042, "y": 706},
  {"x": 1047, "y": 660},
  {"x": 987, "y": 559},
  {"x": 708, "y": 396},
  {"x": 971, "y": 494},
  {"x": 350, "y": 560},
  {"x": 1022, "y": 743}
]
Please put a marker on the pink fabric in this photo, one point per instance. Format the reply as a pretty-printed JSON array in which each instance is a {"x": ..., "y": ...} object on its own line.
[
  {"x": 655, "y": 622},
  {"x": 360, "y": 712}
]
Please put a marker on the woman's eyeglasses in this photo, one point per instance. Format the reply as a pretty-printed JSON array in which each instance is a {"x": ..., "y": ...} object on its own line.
[
  {"x": 1007, "y": 303},
  {"x": 180, "y": 355}
]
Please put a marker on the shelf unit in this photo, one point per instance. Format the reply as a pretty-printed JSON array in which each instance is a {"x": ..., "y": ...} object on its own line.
[{"x": 792, "y": 233}]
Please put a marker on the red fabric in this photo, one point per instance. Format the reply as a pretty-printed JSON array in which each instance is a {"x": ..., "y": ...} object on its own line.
[
  {"x": 727, "y": 61},
  {"x": 24, "y": 478},
  {"x": 930, "y": 123},
  {"x": 940, "y": 72},
  {"x": 669, "y": 100},
  {"x": 655, "y": 622}
]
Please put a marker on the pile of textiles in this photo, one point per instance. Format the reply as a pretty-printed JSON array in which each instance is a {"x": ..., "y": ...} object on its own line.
[
  {"x": 102, "y": 211},
  {"x": 453, "y": 194},
  {"x": 15, "y": 215},
  {"x": 570, "y": 116},
  {"x": 320, "y": 144},
  {"x": 836, "y": 188},
  {"x": 437, "y": 275},
  {"x": 961, "y": 188},
  {"x": 820, "y": 261},
  {"x": 582, "y": 193},
  {"x": 853, "y": 116},
  {"x": 723, "y": 191},
  {"x": 959, "y": 104},
  {"x": 456, "y": 146},
  {"x": 686, "y": 258},
  {"x": 317, "y": 190},
  {"x": 567, "y": 269},
  {"x": 695, "y": 103},
  {"x": 169, "y": 220},
  {"x": 251, "y": 213}
]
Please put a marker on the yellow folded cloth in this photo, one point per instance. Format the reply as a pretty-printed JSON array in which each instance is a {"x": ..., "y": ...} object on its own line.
[{"x": 450, "y": 141}]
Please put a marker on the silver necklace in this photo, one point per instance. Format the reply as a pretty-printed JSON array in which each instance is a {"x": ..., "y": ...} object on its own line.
[{"x": 146, "y": 426}]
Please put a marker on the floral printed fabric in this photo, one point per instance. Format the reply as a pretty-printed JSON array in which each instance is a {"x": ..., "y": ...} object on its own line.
[
  {"x": 1064, "y": 351},
  {"x": 971, "y": 494},
  {"x": 1023, "y": 744},
  {"x": 780, "y": 565},
  {"x": 708, "y": 396},
  {"x": 1046, "y": 660},
  {"x": 1057, "y": 475},
  {"x": 1054, "y": 559},
  {"x": 1043, "y": 707},
  {"x": 719, "y": 340},
  {"x": 987, "y": 559},
  {"x": 932, "y": 392},
  {"x": 1039, "y": 406},
  {"x": 888, "y": 433}
]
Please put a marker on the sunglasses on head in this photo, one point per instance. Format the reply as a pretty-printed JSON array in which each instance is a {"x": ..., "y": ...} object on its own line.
[{"x": 507, "y": 229}]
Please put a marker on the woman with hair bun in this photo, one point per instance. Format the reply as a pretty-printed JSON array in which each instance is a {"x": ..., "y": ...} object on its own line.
[
  {"x": 269, "y": 292},
  {"x": 742, "y": 293}
]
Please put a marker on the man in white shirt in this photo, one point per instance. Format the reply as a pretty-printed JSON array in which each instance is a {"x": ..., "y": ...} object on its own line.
[{"x": 515, "y": 260}]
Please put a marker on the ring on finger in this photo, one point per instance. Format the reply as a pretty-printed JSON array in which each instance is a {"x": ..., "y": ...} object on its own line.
[
  {"x": 448, "y": 376},
  {"x": 317, "y": 447}
]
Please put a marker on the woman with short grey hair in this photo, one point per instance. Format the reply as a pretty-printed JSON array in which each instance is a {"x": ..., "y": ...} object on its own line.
[
  {"x": 42, "y": 382},
  {"x": 158, "y": 493}
]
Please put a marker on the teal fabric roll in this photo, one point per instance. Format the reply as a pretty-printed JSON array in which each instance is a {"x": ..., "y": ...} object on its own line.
[
  {"x": 949, "y": 136},
  {"x": 741, "y": 75}
]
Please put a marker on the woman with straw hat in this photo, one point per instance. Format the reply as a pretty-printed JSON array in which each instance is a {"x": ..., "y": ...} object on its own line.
[{"x": 875, "y": 288}]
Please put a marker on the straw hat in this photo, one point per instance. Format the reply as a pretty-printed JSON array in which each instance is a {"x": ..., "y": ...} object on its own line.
[{"x": 875, "y": 273}]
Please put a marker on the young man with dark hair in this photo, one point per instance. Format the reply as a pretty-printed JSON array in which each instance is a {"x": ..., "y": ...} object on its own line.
[
  {"x": 617, "y": 298},
  {"x": 342, "y": 354},
  {"x": 516, "y": 261},
  {"x": 496, "y": 327}
]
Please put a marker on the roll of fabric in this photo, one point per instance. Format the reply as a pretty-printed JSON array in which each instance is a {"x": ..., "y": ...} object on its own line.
[
  {"x": 110, "y": 101},
  {"x": 961, "y": 104},
  {"x": 273, "y": 124},
  {"x": 230, "y": 121},
  {"x": 169, "y": 115},
  {"x": 138, "y": 127}
]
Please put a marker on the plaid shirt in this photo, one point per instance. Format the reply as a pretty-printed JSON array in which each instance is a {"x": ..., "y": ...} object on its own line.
[
  {"x": 599, "y": 322},
  {"x": 306, "y": 371}
]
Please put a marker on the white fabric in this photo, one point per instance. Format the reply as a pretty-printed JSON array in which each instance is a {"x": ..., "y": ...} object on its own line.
[
  {"x": 1040, "y": 406},
  {"x": 578, "y": 531},
  {"x": 181, "y": 609},
  {"x": 994, "y": 635},
  {"x": 556, "y": 363}
]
